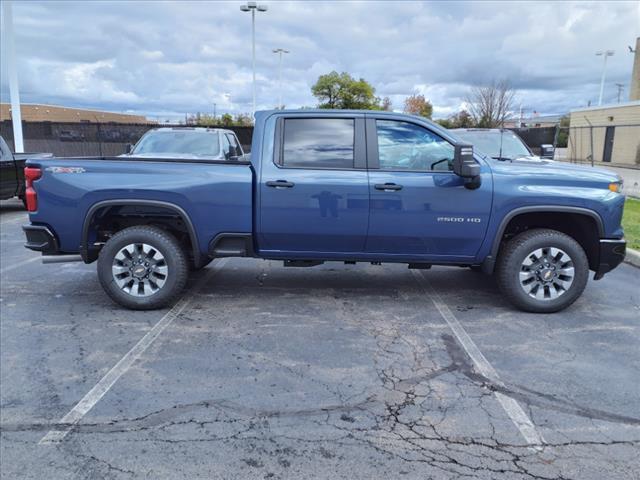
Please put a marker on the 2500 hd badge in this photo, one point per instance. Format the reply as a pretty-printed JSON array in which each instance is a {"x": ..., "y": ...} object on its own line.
[{"x": 459, "y": 219}]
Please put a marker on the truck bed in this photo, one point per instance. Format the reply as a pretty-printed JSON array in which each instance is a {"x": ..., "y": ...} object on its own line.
[{"x": 217, "y": 196}]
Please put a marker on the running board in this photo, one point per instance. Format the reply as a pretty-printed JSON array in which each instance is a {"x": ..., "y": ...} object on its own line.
[{"x": 61, "y": 258}]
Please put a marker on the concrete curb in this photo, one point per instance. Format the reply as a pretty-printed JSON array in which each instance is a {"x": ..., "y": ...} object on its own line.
[{"x": 632, "y": 257}]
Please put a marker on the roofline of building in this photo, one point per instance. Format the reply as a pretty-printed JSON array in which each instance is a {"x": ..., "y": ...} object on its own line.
[
  {"x": 609, "y": 106},
  {"x": 73, "y": 108}
]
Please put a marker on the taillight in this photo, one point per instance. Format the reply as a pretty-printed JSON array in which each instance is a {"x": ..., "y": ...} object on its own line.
[{"x": 31, "y": 174}]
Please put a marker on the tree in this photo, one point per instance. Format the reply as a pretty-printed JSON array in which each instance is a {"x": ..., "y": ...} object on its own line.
[
  {"x": 490, "y": 105},
  {"x": 386, "y": 104},
  {"x": 341, "y": 90},
  {"x": 462, "y": 119},
  {"x": 226, "y": 120},
  {"x": 445, "y": 122},
  {"x": 416, "y": 104},
  {"x": 243, "y": 120}
]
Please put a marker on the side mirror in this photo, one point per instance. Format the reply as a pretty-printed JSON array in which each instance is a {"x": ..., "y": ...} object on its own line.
[
  {"x": 465, "y": 166},
  {"x": 128, "y": 148}
]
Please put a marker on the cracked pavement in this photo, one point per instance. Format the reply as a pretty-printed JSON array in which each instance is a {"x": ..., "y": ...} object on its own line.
[{"x": 327, "y": 372}]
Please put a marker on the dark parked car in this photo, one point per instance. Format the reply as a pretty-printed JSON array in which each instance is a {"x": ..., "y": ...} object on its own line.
[{"x": 12, "y": 171}]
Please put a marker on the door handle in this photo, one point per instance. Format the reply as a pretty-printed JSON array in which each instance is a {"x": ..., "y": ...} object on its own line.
[
  {"x": 388, "y": 187},
  {"x": 280, "y": 184}
]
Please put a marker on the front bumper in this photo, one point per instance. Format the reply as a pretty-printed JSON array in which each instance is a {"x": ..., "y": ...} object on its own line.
[
  {"x": 612, "y": 254},
  {"x": 40, "y": 239}
]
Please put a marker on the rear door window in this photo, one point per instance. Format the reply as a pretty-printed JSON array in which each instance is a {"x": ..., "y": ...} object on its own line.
[{"x": 324, "y": 143}]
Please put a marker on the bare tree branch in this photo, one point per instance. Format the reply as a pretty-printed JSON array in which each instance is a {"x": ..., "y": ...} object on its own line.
[{"x": 489, "y": 105}]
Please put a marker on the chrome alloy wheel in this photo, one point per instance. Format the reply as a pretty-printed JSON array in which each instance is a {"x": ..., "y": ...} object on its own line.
[
  {"x": 139, "y": 269},
  {"x": 546, "y": 273}
]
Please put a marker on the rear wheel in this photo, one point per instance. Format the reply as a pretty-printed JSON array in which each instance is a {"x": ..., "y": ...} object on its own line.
[
  {"x": 142, "y": 268},
  {"x": 542, "y": 271}
]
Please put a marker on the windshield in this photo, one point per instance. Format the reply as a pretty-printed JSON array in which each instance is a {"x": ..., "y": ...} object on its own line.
[
  {"x": 198, "y": 144},
  {"x": 488, "y": 142}
]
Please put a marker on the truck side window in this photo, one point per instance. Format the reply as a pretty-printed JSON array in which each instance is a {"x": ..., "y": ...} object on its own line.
[
  {"x": 406, "y": 146},
  {"x": 318, "y": 142}
]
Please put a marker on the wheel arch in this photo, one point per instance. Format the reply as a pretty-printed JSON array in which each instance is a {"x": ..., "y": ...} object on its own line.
[
  {"x": 89, "y": 255},
  {"x": 575, "y": 215}
]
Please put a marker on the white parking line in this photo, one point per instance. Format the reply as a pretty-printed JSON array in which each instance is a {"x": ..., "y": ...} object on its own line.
[
  {"x": 102, "y": 387},
  {"x": 512, "y": 408},
  {"x": 19, "y": 264}
]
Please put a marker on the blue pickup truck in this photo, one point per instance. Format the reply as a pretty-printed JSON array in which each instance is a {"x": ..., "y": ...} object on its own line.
[{"x": 331, "y": 185}]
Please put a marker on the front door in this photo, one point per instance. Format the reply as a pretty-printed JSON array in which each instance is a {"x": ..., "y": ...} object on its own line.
[
  {"x": 314, "y": 195},
  {"x": 419, "y": 207}
]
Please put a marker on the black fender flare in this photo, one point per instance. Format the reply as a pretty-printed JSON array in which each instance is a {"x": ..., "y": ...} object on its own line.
[
  {"x": 84, "y": 246},
  {"x": 489, "y": 262}
]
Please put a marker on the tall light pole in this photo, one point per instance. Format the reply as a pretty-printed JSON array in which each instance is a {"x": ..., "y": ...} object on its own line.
[
  {"x": 14, "y": 91},
  {"x": 605, "y": 54},
  {"x": 280, "y": 51},
  {"x": 252, "y": 7}
]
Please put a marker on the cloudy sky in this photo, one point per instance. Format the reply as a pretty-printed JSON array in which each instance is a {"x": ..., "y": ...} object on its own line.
[{"x": 160, "y": 58}]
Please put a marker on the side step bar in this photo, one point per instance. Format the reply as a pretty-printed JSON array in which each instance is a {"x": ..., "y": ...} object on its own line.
[{"x": 61, "y": 258}]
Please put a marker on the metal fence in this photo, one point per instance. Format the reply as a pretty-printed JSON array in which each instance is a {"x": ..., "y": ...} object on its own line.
[
  {"x": 536, "y": 136},
  {"x": 616, "y": 144},
  {"x": 91, "y": 139},
  {"x": 619, "y": 144}
]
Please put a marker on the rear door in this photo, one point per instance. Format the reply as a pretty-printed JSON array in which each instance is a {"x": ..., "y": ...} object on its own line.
[
  {"x": 419, "y": 207},
  {"x": 314, "y": 194}
]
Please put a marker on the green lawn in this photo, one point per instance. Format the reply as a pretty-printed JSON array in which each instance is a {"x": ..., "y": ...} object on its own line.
[{"x": 631, "y": 222}]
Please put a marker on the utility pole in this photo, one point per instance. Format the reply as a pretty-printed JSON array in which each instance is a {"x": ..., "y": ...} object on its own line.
[
  {"x": 14, "y": 90},
  {"x": 215, "y": 107},
  {"x": 252, "y": 7},
  {"x": 280, "y": 51},
  {"x": 605, "y": 54},
  {"x": 620, "y": 88}
]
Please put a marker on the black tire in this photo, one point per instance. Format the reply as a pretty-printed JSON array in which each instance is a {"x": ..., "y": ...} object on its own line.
[
  {"x": 166, "y": 245},
  {"x": 510, "y": 265}
]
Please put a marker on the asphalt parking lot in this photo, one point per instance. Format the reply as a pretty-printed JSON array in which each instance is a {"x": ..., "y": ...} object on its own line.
[{"x": 328, "y": 372}]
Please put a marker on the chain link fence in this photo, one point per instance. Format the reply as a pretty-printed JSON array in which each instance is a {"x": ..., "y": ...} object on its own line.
[{"x": 615, "y": 144}]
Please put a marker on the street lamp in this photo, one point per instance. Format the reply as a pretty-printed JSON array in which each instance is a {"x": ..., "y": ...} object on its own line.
[
  {"x": 252, "y": 7},
  {"x": 280, "y": 51},
  {"x": 605, "y": 54}
]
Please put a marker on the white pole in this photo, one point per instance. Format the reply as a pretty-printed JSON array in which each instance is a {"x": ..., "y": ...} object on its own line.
[
  {"x": 604, "y": 72},
  {"x": 14, "y": 92},
  {"x": 253, "y": 55},
  {"x": 280, "y": 79},
  {"x": 605, "y": 54}
]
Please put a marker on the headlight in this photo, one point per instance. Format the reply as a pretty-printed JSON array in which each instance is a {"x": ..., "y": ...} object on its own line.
[{"x": 616, "y": 186}]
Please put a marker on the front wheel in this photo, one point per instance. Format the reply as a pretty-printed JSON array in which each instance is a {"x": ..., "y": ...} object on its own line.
[
  {"x": 142, "y": 268},
  {"x": 542, "y": 271}
]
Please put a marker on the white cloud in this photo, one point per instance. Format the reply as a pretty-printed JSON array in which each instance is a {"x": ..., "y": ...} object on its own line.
[{"x": 185, "y": 56}]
